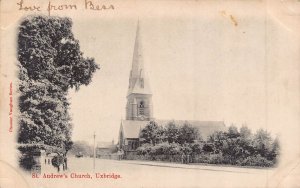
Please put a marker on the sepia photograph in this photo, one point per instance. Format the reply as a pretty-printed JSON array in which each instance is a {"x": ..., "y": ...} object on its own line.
[{"x": 150, "y": 94}]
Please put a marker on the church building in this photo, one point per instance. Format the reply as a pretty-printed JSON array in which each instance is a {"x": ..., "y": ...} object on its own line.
[{"x": 139, "y": 108}]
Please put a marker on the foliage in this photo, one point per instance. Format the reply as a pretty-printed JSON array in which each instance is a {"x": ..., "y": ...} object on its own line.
[
  {"x": 48, "y": 50},
  {"x": 245, "y": 133},
  {"x": 50, "y": 63},
  {"x": 152, "y": 133},
  {"x": 208, "y": 148},
  {"x": 235, "y": 147},
  {"x": 187, "y": 134},
  {"x": 144, "y": 149},
  {"x": 262, "y": 142},
  {"x": 275, "y": 151},
  {"x": 27, "y": 161},
  {"x": 196, "y": 148},
  {"x": 160, "y": 149},
  {"x": 217, "y": 140},
  {"x": 233, "y": 132},
  {"x": 256, "y": 160},
  {"x": 172, "y": 132}
]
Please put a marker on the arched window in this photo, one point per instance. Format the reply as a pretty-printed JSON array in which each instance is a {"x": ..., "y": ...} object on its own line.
[{"x": 141, "y": 108}]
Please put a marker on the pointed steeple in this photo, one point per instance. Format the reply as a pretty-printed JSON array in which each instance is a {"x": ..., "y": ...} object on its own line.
[
  {"x": 139, "y": 96},
  {"x": 137, "y": 61},
  {"x": 137, "y": 81}
]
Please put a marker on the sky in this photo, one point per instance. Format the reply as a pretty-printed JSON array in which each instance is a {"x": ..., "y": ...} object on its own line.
[{"x": 206, "y": 67}]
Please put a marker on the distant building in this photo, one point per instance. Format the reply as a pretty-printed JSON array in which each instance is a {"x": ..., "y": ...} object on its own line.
[
  {"x": 139, "y": 109},
  {"x": 105, "y": 149}
]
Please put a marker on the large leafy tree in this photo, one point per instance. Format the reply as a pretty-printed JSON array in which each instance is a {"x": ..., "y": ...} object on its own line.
[
  {"x": 217, "y": 139},
  {"x": 152, "y": 133},
  {"x": 172, "y": 132},
  {"x": 245, "y": 133},
  {"x": 50, "y": 63},
  {"x": 275, "y": 151},
  {"x": 262, "y": 142},
  {"x": 233, "y": 132},
  {"x": 245, "y": 141},
  {"x": 188, "y": 134}
]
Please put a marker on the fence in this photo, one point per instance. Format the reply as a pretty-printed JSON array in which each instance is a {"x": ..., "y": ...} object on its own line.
[
  {"x": 204, "y": 158},
  {"x": 166, "y": 158}
]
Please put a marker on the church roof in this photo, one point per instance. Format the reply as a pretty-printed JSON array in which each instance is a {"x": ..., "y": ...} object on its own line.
[{"x": 132, "y": 128}]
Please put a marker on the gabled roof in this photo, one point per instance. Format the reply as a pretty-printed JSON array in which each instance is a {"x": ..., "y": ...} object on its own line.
[{"x": 132, "y": 128}]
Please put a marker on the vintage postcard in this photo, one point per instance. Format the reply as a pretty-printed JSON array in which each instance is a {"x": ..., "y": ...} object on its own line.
[{"x": 155, "y": 93}]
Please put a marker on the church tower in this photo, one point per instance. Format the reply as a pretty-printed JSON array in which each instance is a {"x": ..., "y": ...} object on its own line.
[{"x": 139, "y": 95}]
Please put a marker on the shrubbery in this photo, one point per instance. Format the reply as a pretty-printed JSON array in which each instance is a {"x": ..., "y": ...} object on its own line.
[
  {"x": 234, "y": 147},
  {"x": 255, "y": 161},
  {"x": 160, "y": 149}
]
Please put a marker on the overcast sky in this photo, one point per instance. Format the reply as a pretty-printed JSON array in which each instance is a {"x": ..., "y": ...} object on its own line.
[{"x": 209, "y": 66}]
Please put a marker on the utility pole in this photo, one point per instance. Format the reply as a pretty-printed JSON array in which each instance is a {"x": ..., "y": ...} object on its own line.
[{"x": 94, "y": 149}]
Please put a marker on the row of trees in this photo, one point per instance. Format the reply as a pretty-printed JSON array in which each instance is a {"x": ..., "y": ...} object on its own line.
[
  {"x": 237, "y": 145},
  {"x": 172, "y": 133},
  {"x": 50, "y": 63},
  {"x": 234, "y": 146}
]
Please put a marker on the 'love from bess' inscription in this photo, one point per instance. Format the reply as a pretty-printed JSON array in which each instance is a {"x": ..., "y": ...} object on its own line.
[{"x": 88, "y": 5}]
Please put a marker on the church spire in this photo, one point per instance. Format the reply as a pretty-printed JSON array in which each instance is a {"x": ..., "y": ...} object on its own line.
[
  {"x": 137, "y": 81},
  {"x": 139, "y": 96},
  {"x": 137, "y": 61}
]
